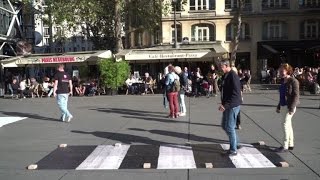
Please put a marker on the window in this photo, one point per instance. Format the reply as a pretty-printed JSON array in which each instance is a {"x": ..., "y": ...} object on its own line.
[
  {"x": 202, "y": 32},
  {"x": 58, "y": 31},
  {"x": 179, "y": 33},
  {"x": 46, "y": 41},
  {"x": 309, "y": 3},
  {"x": 275, "y": 30},
  {"x": 75, "y": 49},
  {"x": 232, "y": 31},
  {"x": 196, "y": 5},
  {"x": 138, "y": 38},
  {"x": 46, "y": 31},
  {"x": 157, "y": 35},
  {"x": 83, "y": 48},
  {"x": 275, "y": 4},
  {"x": 233, "y": 4},
  {"x": 74, "y": 39},
  {"x": 310, "y": 29}
]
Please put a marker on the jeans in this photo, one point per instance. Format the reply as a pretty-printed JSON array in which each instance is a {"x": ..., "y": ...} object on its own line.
[
  {"x": 62, "y": 100},
  {"x": 182, "y": 103},
  {"x": 173, "y": 103},
  {"x": 165, "y": 100},
  {"x": 288, "y": 140},
  {"x": 229, "y": 118}
]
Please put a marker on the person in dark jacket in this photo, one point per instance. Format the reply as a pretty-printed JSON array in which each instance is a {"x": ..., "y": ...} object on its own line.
[
  {"x": 289, "y": 99},
  {"x": 230, "y": 104},
  {"x": 184, "y": 84}
]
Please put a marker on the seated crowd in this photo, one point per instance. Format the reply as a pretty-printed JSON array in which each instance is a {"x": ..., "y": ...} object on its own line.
[{"x": 32, "y": 88}]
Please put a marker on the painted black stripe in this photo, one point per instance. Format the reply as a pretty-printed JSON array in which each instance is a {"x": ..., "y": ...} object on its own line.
[
  {"x": 137, "y": 155},
  {"x": 66, "y": 158},
  {"x": 211, "y": 153},
  {"x": 270, "y": 154}
]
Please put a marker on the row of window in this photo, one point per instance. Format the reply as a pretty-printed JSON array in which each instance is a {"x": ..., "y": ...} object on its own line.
[
  {"x": 272, "y": 30},
  {"x": 198, "y": 5}
]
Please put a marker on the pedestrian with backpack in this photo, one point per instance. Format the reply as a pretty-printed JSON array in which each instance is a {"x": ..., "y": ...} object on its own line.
[
  {"x": 172, "y": 88},
  {"x": 183, "y": 88}
]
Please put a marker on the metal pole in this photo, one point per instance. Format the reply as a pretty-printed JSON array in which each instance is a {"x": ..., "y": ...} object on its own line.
[{"x": 175, "y": 24}]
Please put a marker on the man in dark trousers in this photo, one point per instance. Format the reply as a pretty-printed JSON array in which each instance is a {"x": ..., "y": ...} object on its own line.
[
  {"x": 230, "y": 104},
  {"x": 62, "y": 90}
]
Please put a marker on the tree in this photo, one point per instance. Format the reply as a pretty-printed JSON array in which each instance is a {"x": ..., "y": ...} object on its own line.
[
  {"x": 103, "y": 20},
  {"x": 113, "y": 74},
  {"x": 237, "y": 37}
]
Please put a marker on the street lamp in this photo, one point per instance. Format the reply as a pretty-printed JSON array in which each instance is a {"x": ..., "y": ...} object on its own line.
[{"x": 174, "y": 2}]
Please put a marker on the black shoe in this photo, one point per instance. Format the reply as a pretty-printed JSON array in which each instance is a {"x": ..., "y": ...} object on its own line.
[
  {"x": 291, "y": 148},
  {"x": 281, "y": 150},
  {"x": 239, "y": 146}
]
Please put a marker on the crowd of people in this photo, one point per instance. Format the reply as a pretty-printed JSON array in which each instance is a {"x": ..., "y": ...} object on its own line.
[
  {"x": 308, "y": 77},
  {"x": 23, "y": 88}
]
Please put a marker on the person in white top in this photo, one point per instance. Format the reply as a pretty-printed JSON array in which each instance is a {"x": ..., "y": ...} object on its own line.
[
  {"x": 22, "y": 88},
  {"x": 129, "y": 83}
]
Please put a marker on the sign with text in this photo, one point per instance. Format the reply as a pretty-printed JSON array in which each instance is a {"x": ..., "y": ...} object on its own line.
[
  {"x": 188, "y": 55},
  {"x": 58, "y": 59}
]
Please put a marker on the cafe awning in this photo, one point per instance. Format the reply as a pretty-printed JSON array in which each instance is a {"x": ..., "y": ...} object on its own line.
[
  {"x": 172, "y": 53},
  {"x": 71, "y": 57}
]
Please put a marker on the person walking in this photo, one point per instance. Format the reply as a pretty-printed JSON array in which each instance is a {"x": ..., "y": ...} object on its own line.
[
  {"x": 230, "y": 104},
  {"x": 171, "y": 92},
  {"x": 181, "y": 94},
  {"x": 62, "y": 90},
  {"x": 289, "y": 99}
]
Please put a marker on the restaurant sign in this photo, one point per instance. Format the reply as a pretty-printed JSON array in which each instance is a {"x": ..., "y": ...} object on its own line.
[
  {"x": 188, "y": 55},
  {"x": 58, "y": 59}
]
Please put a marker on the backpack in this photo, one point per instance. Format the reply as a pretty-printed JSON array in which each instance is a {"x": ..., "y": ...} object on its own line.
[{"x": 176, "y": 86}]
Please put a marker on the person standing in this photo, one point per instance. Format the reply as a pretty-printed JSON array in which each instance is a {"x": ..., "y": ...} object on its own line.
[
  {"x": 230, "y": 104},
  {"x": 181, "y": 94},
  {"x": 289, "y": 99},
  {"x": 171, "y": 93},
  {"x": 213, "y": 80},
  {"x": 62, "y": 90}
]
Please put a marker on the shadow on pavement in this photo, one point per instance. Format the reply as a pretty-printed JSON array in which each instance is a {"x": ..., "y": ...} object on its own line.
[
  {"x": 32, "y": 116},
  {"x": 182, "y": 135},
  {"x": 123, "y": 138},
  {"x": 130, "y": 112},
  {"x": 266, "y": 105},
  {"x": 147, "y": 116},
  {"x": 168, "y": 120}
]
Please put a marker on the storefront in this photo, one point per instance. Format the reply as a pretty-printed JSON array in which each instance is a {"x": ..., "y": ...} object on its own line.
[
  {"x": 81, "y": 64},
  {"x": 154, "y": 60},
  {"x": 296, "y": 53}
]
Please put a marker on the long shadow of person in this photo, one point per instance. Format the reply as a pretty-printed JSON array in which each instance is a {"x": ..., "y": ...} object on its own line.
[
  {"x": 182, "y": 135},
  {"x": 123, "y": 138},
  {"x": 29, "y": 115}
]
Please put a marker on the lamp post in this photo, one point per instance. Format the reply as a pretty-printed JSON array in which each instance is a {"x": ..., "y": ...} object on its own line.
[{"x": 175, "y": 23}]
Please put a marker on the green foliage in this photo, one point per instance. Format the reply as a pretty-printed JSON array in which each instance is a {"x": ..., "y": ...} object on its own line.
[{"x": 113, "y": 74}]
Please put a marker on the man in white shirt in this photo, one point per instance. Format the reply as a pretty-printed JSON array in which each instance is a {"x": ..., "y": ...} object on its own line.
[
  {"x": 22, "y": 88},
  {"x": 129, "y": 83}
]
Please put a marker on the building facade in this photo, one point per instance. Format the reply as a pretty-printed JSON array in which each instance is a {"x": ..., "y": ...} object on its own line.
[
  {"x": 54, "y": 38},
  {"x": 272, "y": 32}
]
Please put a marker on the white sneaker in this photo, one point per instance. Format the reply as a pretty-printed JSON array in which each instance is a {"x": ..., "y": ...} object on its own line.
[
  {"x": 182, "y": 114},
  {"x": 69, "y": 119}
]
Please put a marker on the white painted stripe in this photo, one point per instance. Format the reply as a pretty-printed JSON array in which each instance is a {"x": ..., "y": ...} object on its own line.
[
  {"x": 105, "y": 157},
  {"x": 176, "y": 157},
  {"x": 249, "y": 157},
  {"x": 8, "y": 120}
]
